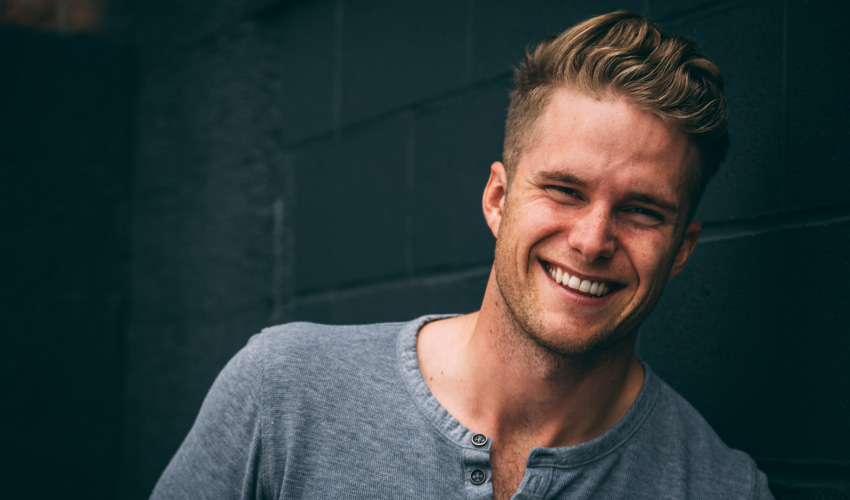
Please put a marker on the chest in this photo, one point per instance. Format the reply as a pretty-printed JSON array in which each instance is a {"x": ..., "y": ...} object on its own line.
[{"x": 508, "y": 465}]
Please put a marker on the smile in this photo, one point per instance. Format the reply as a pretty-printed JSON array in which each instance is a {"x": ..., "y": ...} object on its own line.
[{"x": 593, "y": 288}]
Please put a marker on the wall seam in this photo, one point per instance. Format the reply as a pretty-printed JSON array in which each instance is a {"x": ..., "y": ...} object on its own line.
[
  {"x": 410, "y": 193},
  {"x": 429, "y": 279},
  {"x": 339, "y": 47},
  {"x": 395, "y": 113},
  {"x": 785, "y": 166},
  {"x": 816, "y": 217}
]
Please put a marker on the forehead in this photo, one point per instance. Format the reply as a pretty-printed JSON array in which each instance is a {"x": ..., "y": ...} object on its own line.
[{"x": 609, "y": 139}]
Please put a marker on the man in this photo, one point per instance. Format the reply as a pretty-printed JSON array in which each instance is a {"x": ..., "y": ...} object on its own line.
[{"x": 612, "y": 133}]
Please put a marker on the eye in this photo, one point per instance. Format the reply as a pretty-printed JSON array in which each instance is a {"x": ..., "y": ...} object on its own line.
[
  {"x": 644, "y": 215},
  {"x": 563, "y": 192}
]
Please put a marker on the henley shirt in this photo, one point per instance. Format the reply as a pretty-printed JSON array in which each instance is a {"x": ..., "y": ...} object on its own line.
[{"x": 325, "y": 412}]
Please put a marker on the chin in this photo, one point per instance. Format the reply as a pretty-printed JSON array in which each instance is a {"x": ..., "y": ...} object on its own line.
[
  {"x": 563, "y": 337},
  {"x": 580, "y": 346}
]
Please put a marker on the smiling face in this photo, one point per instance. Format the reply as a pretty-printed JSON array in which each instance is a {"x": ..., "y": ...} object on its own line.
[{"x": 593, "y": 225}]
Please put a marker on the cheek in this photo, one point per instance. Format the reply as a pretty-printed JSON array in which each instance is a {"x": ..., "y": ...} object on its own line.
[
  {"x": 653, "y": 260},
  {"x": 536, "y": 221},
  {"x": 547, "y": 218}
]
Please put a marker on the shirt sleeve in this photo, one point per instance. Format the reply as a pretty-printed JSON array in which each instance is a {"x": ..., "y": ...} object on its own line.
[
  {"x": 221, "y": 456},
  {"x": 762, "y": 492}
]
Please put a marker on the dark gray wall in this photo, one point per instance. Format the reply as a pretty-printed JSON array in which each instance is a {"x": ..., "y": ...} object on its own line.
[
  {"x": 65, "y": 187},
  {"x": 323, "y": 160}
]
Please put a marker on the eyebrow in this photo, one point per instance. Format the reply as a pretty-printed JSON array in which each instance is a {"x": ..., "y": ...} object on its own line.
[{"x": 566, "y": 178}]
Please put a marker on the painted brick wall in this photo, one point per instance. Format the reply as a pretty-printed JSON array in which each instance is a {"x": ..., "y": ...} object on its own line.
[{"x": 323, "y": 160}]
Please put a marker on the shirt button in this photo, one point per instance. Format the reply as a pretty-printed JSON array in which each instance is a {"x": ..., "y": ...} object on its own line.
[
  {"x": 477, "y": 476},
  {"x": 479, "y": 439}
]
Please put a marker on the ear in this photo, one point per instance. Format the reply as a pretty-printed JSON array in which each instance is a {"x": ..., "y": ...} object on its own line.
[
  {"x": 494, "y": 197},
  {"x": 686, "y": 248}
]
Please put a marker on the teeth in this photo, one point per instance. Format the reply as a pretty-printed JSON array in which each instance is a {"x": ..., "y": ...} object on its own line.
[{"x": 585, "y": 286}]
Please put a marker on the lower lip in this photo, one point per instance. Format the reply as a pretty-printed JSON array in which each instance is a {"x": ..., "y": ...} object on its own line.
[{"x": 574, "y": 295}]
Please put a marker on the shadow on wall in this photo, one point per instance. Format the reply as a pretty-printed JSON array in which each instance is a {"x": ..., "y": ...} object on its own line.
[{"x": 65, "y": 195}]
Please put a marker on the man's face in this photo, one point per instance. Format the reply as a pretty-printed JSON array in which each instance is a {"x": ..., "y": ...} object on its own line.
[{"x": 598, "y": 200}]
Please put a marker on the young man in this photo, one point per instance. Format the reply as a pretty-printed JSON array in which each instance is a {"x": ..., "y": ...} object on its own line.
[{"x": 612, "y": 133}]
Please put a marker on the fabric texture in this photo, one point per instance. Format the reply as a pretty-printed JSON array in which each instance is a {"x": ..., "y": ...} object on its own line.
[{"x": 315, "y": 411}]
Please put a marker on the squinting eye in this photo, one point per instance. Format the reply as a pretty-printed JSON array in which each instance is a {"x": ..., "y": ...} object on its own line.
[
  {"x": 646, "y": 214},
  {"x": 564, "y": 191}
]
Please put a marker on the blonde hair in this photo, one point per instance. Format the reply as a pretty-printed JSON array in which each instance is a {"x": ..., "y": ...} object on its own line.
[{"x": 623, "y": 54}]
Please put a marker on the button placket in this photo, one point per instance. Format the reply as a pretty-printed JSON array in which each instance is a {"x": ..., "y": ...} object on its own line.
[
  {"x": 476, "y": 469},
  {"x": 535, "y": 483}
]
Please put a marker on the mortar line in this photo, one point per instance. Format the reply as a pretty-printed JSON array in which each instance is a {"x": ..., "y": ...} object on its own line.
[
  {"x": 783, "y": 173},
  {"x": 339, "y": 47},
  {"x": 821, "y": 216},
  {"x": 470, "y": 42},
  {"x": 435, "y": 278},
  {"x": 395, "y": 113},
  {"x": 410, "y": 193}
]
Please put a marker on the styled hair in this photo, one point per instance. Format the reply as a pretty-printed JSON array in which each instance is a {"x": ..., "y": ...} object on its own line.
[{"x": 624, "y": 54}]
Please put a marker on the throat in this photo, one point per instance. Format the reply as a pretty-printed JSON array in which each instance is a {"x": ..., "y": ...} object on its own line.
[{"x": 553, "y": 414}]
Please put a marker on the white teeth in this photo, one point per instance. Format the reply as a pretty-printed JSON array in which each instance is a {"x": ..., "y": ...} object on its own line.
[{"x": 560, "y": 276}]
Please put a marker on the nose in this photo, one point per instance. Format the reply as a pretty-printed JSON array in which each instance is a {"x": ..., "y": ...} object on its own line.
[{"x": 591, "y": 234}]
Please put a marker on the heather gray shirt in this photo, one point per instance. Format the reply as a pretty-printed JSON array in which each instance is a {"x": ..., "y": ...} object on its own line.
[{"x": 313, "y": 411}]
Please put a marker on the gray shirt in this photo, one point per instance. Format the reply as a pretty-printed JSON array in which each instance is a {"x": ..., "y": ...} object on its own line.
[{"x": 314, "y": 411}]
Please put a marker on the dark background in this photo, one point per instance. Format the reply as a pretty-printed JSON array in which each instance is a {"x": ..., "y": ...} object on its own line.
[{"x": 177, "y": 175}]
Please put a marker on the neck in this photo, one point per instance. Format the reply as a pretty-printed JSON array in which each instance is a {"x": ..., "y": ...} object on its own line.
[{"x": 522, "y": 389}]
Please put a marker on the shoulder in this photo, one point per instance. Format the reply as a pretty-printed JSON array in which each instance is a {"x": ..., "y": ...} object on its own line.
[
  {"x": 310, "y": 335},
  {"x": 677, "y": 435},
  {"x": 302, "y": 353},
  {"x": 300, "y": 342},
  {"x": 680, "y": 426},
  {"x": 282, "y": 403},
  {"x": 307, "y": 358}
]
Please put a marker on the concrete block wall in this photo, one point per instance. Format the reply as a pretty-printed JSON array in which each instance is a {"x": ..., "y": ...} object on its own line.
[{"x": 323, "y": 160}]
